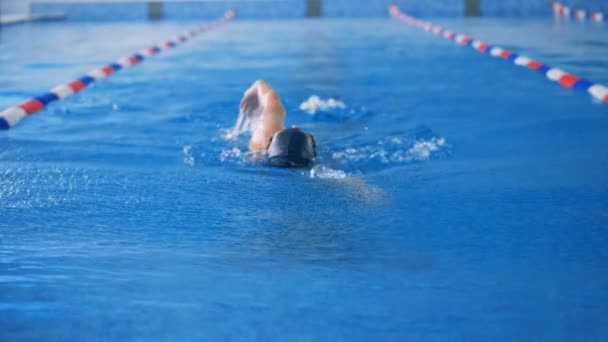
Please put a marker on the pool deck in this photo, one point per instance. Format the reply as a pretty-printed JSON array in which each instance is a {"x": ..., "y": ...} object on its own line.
[{"x": 23, "y": 18}]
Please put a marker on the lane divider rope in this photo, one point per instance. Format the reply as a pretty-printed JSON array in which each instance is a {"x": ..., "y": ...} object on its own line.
[
  {"x": 561, "y": 10},
  {"x": 11, "y": 116},
  {"x": 565, "y": 79}
]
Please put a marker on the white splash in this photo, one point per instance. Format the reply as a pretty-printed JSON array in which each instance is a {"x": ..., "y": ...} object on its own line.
[
  {"x": 244, "y": 124},
  {"x": 324, "y": 172},
  {"x": 385, "y": 153},
  {"x": 315, "y": 103},
  {"x": 188, "y": 157},
  {"x": 233, "y": 153},
  {"x": 229, "y": 134},
  {"x": 422, "y": 149}
]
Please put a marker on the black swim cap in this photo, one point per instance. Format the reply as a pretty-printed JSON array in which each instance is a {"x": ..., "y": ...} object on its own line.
[{"x": 291, "y": 147}]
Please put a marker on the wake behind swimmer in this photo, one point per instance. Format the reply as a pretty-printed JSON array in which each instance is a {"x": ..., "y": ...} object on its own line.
[{"x": 263, "y": 115}]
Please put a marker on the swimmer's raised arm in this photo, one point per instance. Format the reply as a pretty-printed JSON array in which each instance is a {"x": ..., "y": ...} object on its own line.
[
  {"x": 263, "y": 106},
  {"x": 262, "y": 113}
]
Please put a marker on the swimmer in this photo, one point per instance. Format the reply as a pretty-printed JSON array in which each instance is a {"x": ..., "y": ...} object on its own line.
[{"x": 263, "y": 114}]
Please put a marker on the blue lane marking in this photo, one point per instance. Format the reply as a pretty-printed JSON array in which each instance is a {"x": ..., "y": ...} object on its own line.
[
  {"x": 582, "y": 84},
  {"x": 543, "y": 69},
  {"x": 86, "y": 80},
  {"x": 47, "y": 98},
  {"x": 4, "y": 124},
  {"x": 513, "y": 57}
]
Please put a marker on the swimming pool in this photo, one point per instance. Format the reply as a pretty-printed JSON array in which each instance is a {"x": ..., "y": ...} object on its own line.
[{"x": 456, "y": 196}]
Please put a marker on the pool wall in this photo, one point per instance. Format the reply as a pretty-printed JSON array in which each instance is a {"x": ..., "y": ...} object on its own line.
[{"x": 136, "y": 10}]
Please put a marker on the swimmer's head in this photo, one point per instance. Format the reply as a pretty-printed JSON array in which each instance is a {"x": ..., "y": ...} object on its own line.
[{"x": 292, "y": 147}]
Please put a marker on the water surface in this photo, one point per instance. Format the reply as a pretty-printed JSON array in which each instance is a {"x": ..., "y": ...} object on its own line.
[{"x": 456, "y": 197}]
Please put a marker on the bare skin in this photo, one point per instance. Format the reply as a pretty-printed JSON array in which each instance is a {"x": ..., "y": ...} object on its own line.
[
  {"x": 262, "y": 113},
  {"x": 265, "y": 115}
]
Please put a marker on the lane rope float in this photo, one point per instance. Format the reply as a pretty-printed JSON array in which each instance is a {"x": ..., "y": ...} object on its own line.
[
  {"x": 561, "y": 10},
  {"x": 565, "y": 79},
  {"x": 11, "y": 116}
]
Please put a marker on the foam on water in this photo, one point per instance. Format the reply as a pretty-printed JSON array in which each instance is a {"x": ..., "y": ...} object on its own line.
[
  {"x": 315, "y": 103},
  {"x": 422, "y": 149}
]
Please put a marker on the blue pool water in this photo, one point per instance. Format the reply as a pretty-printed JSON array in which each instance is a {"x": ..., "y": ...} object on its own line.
[{"x": 456, "y": 197}]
